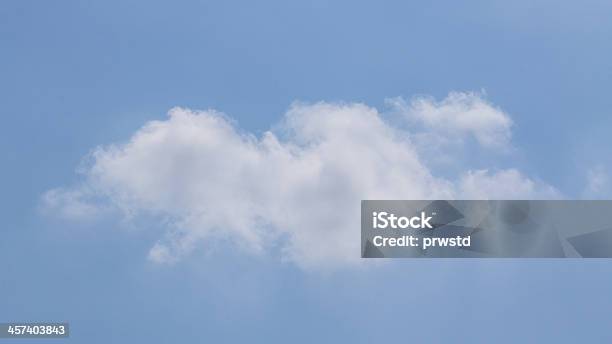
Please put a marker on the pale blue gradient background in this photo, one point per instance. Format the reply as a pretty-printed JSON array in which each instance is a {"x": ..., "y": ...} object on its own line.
[{"x": 76, "y": 74}]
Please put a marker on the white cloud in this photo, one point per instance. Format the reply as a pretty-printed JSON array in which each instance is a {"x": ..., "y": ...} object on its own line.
[
  {"x": 457, "y": 116},
  {"x": 73, "y": 204},
  {"x": 598, "y": 183},
  {"x": 214, "y": 182}
]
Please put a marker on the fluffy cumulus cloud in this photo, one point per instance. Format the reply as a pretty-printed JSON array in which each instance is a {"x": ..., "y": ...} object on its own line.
[
  {"x": 289, "y": 188},
  {"x": 458, "y": 116}
]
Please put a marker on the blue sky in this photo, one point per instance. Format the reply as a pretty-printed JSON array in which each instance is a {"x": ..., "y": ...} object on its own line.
[{"x": 77, "y": 75}]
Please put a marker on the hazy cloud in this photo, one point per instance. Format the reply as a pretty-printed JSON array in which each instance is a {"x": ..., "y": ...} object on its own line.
[{"x": 598, "y": 183}]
